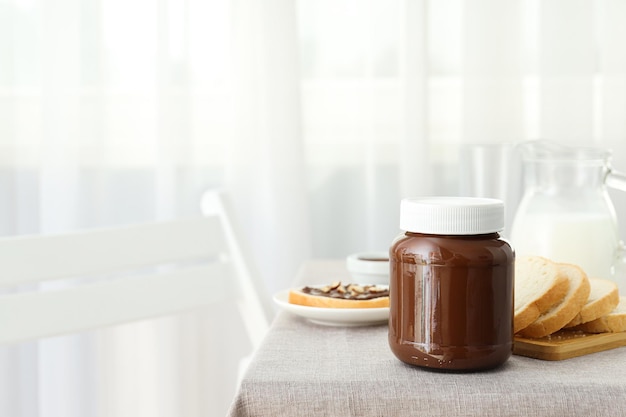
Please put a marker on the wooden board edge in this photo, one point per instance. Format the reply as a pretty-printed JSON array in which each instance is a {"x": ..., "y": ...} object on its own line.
[{"x": 566, "y": 349}]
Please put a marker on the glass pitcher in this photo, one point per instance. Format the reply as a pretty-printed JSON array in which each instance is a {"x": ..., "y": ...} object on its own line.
[{"x": 566, "y": 213}]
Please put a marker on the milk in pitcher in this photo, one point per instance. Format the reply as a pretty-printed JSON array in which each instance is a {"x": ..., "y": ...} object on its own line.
[
  {"x": 585, "y": 239},
  {"x": 566, "y": 213}
]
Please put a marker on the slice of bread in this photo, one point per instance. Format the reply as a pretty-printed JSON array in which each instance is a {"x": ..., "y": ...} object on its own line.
[
  {"x": 343, "y": 296},
  {"x": 564, "y": 311},
  {"x": 538, "y": 286},
  {"x": 613, "y": 322},
  {"x": 603, "y": 298}
]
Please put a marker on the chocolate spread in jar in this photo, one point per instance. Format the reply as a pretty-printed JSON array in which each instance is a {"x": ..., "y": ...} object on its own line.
[{"x": 451, "y": 300}]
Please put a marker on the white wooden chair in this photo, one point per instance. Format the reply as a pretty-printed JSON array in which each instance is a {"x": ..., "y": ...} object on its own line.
[
  {"x": 155, "y": 269},
  {"x": 54, "y": 285}
]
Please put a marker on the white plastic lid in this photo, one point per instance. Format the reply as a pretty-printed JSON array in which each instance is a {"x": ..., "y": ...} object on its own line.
[{"x": 452, "y": 215}]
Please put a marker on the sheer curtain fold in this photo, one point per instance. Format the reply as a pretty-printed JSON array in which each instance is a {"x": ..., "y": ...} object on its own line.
[
  {"x": 610, "y": 32},
  {"x": 568, "y": 62},
  {"x": 265, "y": 169},
  {"x": 414, "y": 71},
  {"x": 493, "y": 72}
]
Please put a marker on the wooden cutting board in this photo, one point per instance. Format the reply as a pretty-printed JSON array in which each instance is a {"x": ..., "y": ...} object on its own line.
[{"x": 566, "y": 344}]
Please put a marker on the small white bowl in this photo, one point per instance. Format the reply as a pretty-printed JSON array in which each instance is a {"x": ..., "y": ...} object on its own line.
[{"x": 369, "y": 267}]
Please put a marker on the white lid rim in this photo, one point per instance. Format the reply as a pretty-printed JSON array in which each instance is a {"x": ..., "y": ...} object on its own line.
[{"x": 452, "y": 215}]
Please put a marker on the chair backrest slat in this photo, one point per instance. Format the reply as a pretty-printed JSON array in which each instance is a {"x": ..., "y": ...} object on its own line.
[
  {"x": 31, "y": 259},
  {"x": 40, "y": 314}
]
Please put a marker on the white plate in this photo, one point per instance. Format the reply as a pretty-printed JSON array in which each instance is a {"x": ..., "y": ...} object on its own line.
[{"x": 334, "y": 316}]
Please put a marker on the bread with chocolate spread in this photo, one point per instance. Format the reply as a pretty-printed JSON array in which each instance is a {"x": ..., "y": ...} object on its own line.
[{"x": 338, "y": 295}]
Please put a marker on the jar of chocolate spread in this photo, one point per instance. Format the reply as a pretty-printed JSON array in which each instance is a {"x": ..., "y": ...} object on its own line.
[{"x": 451, "y": 285}]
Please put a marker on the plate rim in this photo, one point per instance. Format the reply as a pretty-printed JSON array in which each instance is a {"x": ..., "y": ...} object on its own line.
[{"x": 347, "y": 316}]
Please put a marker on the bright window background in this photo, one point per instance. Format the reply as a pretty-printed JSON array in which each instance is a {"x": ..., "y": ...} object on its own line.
[{"x": 316, "y": 116}]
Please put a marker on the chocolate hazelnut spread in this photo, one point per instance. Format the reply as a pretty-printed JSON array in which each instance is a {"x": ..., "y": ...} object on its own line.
[
  {"x": 451, "y": 286},
  {"x": 348, "y": 291}
]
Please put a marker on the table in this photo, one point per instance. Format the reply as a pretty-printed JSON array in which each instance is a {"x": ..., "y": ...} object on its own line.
[{"x": 304, "y": 369}]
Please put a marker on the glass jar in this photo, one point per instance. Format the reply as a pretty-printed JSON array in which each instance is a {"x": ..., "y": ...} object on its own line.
[{"x": 451, "y": 285}]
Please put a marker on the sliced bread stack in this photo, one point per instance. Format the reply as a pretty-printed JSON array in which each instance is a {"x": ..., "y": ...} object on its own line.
[
  {"x": 613, "y": 322},
  {"x": 550, "y": 296},
  {"x": 603, "y": 298},
  {"x": 538, "y": 286}
]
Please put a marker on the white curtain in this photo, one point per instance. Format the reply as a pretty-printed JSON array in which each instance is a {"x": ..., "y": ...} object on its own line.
[{"x": 316, "y": 116}]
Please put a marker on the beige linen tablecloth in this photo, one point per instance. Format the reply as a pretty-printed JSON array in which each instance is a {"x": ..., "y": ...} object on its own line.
[{"x": 305, "y": 369}]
